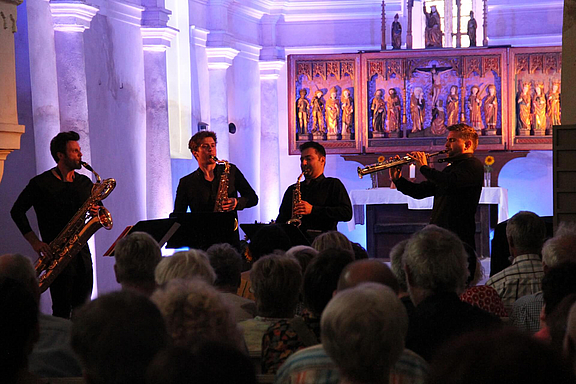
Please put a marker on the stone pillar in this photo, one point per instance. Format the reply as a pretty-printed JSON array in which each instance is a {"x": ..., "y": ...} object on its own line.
[
  {"x": 270, "y": 193},
  {"x": 219, "y": 60},
  {"x": 448, "y": 27},
  {"x": 158, "y": 169},
  {"x": 71, "y": 19},
  {"x": 10, "y": 131}
]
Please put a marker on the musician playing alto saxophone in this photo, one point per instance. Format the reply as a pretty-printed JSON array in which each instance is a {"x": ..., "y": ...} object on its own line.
[
  {"x": 323, "y": 200},
  {"x": 56, "y": 196},
  {"x": 199, "y": 190}
]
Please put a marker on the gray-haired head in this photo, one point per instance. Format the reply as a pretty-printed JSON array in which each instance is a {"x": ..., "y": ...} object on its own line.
[
  {"x": 19, "y": 267},
  {"x": 227, "y": 264},
  {"x": 435, "y": 261},
  {"x": 526, "y": 232},
  {"x": 332, "y": 239},
  {"x": 185, "y": 265},
  {"x": 137, "y": 256},
  {"x": 363, "y": 331},
  {"x": 396, "y": 263},
  {"x": 560, "y": 248},
  {"x": 304, "y": 254}
]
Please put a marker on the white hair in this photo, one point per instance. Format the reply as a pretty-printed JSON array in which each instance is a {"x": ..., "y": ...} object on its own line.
[
  {"x": 562, "y": 247},
  {"x": 185, "y": 265}
]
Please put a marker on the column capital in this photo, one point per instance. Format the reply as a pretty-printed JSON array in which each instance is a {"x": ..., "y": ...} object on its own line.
[
  {"x": 155, "y": 17},
  {"x": 270, "y": 70},
  {"x": 72, "y": 16},
  {"x": 157, "y": 39},
  {"x": 220, "y": 57},
  {"x": 199, "y": 35}
]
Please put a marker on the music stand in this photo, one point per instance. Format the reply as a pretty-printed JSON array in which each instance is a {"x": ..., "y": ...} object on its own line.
[
  {"x": 294, "y": 233},
  {"x": 160, "y": 229},
  {"x": 200, "y": 230}
]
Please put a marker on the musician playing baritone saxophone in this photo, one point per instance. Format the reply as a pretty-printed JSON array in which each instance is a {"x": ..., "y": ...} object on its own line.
[
  {"x": 56, "y": 196},
  {"x": 324, "y": 200},
  {"x": 456, "y": 189},
  {"x": 199, "y": 189}
]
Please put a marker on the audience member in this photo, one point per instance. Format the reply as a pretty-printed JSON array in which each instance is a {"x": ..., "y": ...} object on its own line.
[
  {"x": 18, "y": 331},
  {"x": 52, "y": 355},
  {"x": 227, "y": 264},
  {"x": 436, "y": 271},
  {"x": 332, "y": 239},
  {"x": 359, "y": 252},
  {"x": 116, "y": 337},
  {"x": 557, "y": 322},
  {"x": 558, "y": 283},
  {"x": 137, "y": 256},
  {"x": 526, "y": 232},
  {"x": 570, "y": 339},
  {"x": 287, "y": 336},
  {"x": 498, "y": 357},
  {"x": 276, "y": 283},
  {"x": 265, "y": 241},
  {"x": 367, "y": 270},
  {"x": 396, "y": 265},
  {"x": 525, "y": 313},
  {"x": 196, "y": 315},
  {"x": 189, "y": 265},
  {"x": 363, "y": 330},
  {"x": 304, "y": 254},
  {"x": 482, "y": 296},
  {"x": 214, "y": 363}
]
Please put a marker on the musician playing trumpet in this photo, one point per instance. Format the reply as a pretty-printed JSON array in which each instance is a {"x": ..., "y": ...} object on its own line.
[
  {"x": 199, "y": 190},
  {"x": 456, "y": 189},
  {"x": 323, "y": 200}
]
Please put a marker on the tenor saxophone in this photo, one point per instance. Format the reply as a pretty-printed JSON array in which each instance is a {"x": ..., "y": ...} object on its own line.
[
  {"x": 296, "y": 219},
  {"x": 76, "y": 233}
]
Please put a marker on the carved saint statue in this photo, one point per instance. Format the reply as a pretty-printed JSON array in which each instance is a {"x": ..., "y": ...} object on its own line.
[
  {"x": 474, "y": 103},
  {"x": 438, "y": 115},
  {"x": 332, "y": 112},
  {"x": 539, "y": 108},
  {"x": 347, "y": 111},
  {"x": 417, "y": 109},
  {"x": 491, "y": 108},
  {"x": 524, "y": 100},
  {"x": 472, "y": 29},
  {"x": 303, "y": 107},
  {"x": 393, "y": 104},
  {"x": 318, "y": 113},
  {"x": 554, "y": 105},
  {"x": 378, "y": 112},
  {"x": 396, "y": 33},
  {"x": 453, "y": 105},
  {"x": 432, "y": 32}
]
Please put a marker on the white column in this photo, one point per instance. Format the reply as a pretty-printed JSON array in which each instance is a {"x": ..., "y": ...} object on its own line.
[
  {"x": 219, "y": 60},
  {"x": 71, "y": 19},
  {"x": 448, "y": 27},
  {"x": 158, "y": 167},
  {"x": 43, "y": 80},
  {"x": 270, "y": 194}
]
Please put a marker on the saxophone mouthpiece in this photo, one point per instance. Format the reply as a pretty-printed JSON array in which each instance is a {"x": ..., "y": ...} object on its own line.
[
  {"x": 86, "y": 165},
  {"x": 214, "y": 158}
]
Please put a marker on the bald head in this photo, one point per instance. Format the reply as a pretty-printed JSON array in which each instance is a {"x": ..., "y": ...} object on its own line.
[{"x": 367, "y": 270}]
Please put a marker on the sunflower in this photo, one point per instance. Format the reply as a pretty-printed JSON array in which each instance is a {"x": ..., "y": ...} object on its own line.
[{"x": 488, "y": 162}]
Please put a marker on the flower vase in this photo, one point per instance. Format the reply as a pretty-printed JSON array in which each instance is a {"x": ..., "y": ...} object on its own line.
[{"x": 487, "y": 179}]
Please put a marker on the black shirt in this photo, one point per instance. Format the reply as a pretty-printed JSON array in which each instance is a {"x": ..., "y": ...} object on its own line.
[
  {"x": 199, "y": 194},
  {"x": 456, "y": 191},
  {"x": 330, "y": 204}
]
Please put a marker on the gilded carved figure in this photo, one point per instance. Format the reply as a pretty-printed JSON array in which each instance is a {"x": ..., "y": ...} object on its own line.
[
  {"x": 524, "y": 101},
  {"x": 432, "y": 32},
  {"x": 435, "y": 73},
  {"x": 347, "y": 111},
  {"x": 471, "y": 32},
  {"x": 396, "y": 33},
  {"x": 453, "y": 105},
  {"x": 438, "y": 116},
  {"x": 394, "y": 109},
  {"x": 303, "y": 107},
  {"x": 318, "y": 113},
  {"x": 378, "y": 108},
  {"x": 539, "y": 108},
  {"x": 474, "y": 103},
  {"x": 491, "y": 108},
  {"x": 417, "y": 109},
  {"x": 554, "y": 104},
  {"x": 332, "y": 112}
]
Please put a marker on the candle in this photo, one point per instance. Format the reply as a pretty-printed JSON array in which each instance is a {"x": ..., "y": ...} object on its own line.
[{"x": 412, "y": 171}]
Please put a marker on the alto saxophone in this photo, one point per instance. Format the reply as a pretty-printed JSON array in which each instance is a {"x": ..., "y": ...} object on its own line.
[
  {"x": 296, "y": 219},
  {"x": 76, "y": 233},
  {"x": 222, "y": 195}
]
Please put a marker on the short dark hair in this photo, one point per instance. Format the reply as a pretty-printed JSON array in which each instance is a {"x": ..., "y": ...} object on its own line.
[
  {"x": 58, "y": 143},
  {"x": 312, "y": 144},
  {"x": 465, "y": 132},
  {"x": 227, "y": 264},
  {"x": 558, "y": 283},
  {"x": 196, "y": 140}
]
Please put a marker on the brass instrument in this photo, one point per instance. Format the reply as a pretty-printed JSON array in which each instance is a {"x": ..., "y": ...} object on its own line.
[
  {"x": 296, "y": 198},
  {"x": 222, "y": 194},
  {"x": 76, "y": 233},
  {"x": 380, "y": 166}
]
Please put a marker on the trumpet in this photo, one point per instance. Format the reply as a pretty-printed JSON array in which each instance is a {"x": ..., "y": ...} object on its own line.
[{"x": 380, "y": 166}]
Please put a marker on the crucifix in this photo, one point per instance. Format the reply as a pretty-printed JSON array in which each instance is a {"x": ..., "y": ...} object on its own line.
[{"x": 436, "y": 86}]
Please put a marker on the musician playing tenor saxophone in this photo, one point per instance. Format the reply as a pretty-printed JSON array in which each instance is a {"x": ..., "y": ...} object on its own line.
[
  {"x": 56, "y": 196},
  {"x": 199, "y": 190},
  {"x": 456, "y": 189},
  {"x": 323, "y": 200}
]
